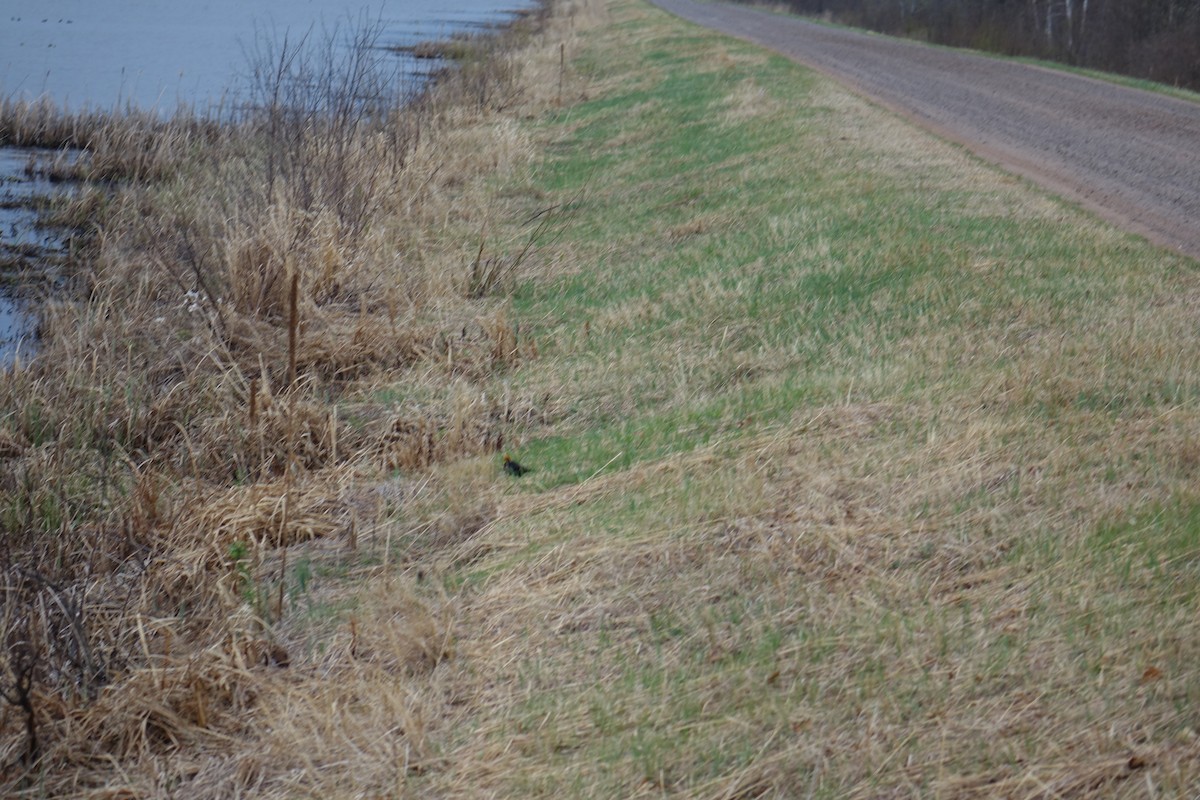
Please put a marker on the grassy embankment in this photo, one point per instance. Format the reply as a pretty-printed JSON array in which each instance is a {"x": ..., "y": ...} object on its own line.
[{"x": 860, "y": 469}]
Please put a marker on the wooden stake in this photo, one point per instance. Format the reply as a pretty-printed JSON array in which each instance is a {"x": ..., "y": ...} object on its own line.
[
  {"x": 253, "y": 401},
  {"x": 562, "y": 68},
  {"x": 293, "y": 328}
]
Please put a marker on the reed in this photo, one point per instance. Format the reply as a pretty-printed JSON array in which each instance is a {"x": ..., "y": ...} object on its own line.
[{"x": 116, "y": 145}]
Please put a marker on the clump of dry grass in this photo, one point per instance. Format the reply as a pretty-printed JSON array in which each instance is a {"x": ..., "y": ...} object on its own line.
[{"x": 101, "y": 146}]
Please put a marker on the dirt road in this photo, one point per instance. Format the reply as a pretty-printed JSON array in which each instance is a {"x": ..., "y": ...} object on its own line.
[{"x": 1132, "y": 156}]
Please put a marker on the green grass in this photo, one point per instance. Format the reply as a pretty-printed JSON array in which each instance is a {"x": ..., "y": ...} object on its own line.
[
  {"x": 863, "y": 469},
  {"x": 733, "y": 270}
]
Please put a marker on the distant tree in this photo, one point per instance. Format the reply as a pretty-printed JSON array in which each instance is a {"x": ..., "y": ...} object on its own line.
[{"x": 1155, "y": 39}]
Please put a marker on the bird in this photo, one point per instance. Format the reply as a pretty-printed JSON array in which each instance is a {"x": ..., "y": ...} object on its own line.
[{"x": 512, "y": 467}]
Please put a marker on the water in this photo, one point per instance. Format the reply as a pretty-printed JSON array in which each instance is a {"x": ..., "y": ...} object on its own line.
[
  {"x": 22, "y": 241},
  {"x": 164, "y": 54},
  {"x": 158, "y": 54}
]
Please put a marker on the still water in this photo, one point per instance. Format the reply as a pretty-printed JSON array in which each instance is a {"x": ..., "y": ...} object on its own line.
[
  {"x": 158, "y": 54},
  {"x": 21, "y": 238},
  {"x": 163, "y": 54}
]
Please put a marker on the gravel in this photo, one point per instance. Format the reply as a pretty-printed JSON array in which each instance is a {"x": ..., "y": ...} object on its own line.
[{"x": 1131, "y": 155}]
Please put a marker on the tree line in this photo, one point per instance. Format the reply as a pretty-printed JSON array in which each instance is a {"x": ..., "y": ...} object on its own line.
[{"x": 1154, "y": 39}]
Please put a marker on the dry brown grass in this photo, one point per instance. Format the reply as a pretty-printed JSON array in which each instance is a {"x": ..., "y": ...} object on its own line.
[
  {"x": 169, "y": 491},
  {"x": 130, "y": 145},
  {"x": 935, "y": 650}
]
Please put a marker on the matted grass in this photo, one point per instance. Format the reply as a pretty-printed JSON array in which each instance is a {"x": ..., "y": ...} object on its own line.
[{"x": 858, "y": 469}]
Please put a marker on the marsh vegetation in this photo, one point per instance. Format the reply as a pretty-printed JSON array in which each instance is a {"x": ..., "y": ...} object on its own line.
[{"x": 268, "y": 314}]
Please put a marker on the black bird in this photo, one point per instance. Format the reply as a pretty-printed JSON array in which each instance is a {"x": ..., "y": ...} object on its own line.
[{"x": 512, "y": 467}]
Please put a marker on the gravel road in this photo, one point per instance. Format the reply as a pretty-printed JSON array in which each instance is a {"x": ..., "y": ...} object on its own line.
[{"x": 1130, "y": 155}]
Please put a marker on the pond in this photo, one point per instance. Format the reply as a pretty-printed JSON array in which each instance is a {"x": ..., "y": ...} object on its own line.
[{"x": 159, "y": 54}]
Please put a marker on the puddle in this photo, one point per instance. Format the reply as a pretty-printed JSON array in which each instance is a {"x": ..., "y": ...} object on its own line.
[{"x": 30, "y": 254}]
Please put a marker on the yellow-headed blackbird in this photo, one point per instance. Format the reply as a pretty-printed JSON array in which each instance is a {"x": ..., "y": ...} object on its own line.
[{"x": 512, "y": 467}]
